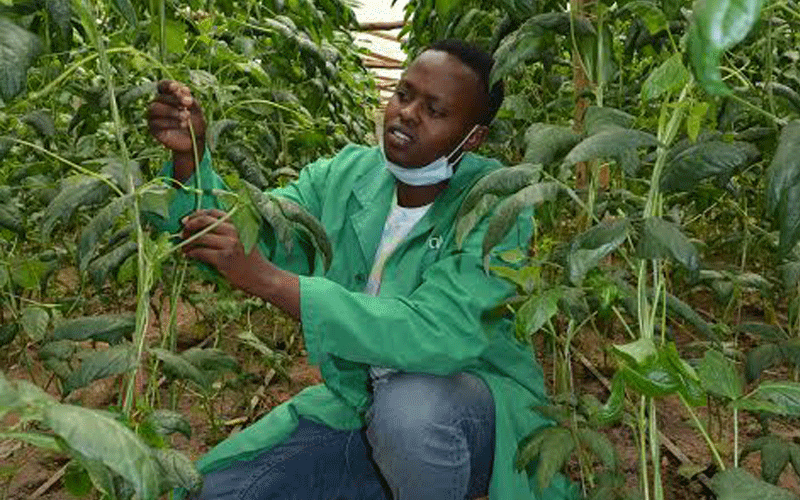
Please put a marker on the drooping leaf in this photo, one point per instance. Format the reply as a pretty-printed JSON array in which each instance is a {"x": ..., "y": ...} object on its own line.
[
  {"x": 600, "y": 445},
  {"x": 101, "y": 267},
  {"x": 76, "y": 192},
  {"x": 77, "y": 480},
  {"x": 179, "y": 368},
  {"x": 122, "y": 174},
  {"x": 718, "y": 25},
  {"x": 525, "y": 44},
  {"x": 61, "y": 14},
  {"x": 774, "y": 458},
  {"x": 166, "y": 422},
  {"x": 101, "y": 223},
  {"x": 176, "y": 471},
  {"x": 302, "y": 220},
  {"x": 34, "y": 322},
  {"x": 36, "y": 439},
  {"x": 738, "y": 484},
  {"x": 763, "y": 331},
  {"x": 132, "y": 94},
  {"x": 508, "y": 210},
  {"x": 598, "y": 119},
  {"x": 762, "y": 358},
  {"x": 98, "y": 365},
  {"x": 467, "y": 223},
  {"x": 217, "y": 129},
  {"x": 18, "y": 48},
  {"x": 501, "y": 182},
  {"x": 545, "y": 143},
  {"x": 246, "y": 164},
  {"x": 716, "y": 159},
  {"x": 42, "y": 122},
  {"x": 718, "y": 376},
  {"x": 11, "y": 218},
  {"x": 668, "y": 78},
  {"x": 557, "y": 447},
  {"x": 612, "y": 409},
  {"x": 609, "y": 143},
  {"x": 591, "y": 247},
  {"x": 662, "y": 239},
  {"x": 783, "y": 176},
  {"x": 99, "y": 437},
  {"x": 156, "y": 200},
  {"x": 272, "y": 214},
  {"x": 652, "y": 16}
]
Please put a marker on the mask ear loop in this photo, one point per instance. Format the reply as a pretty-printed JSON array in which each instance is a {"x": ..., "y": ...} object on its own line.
[{"x": 460, "y": 145}]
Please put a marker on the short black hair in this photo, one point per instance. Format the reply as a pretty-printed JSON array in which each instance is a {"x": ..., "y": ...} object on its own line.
[{"x": 481, "y": 63}]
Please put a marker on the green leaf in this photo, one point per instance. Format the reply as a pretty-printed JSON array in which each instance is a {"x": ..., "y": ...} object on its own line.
[
  {"x": 612, "y": 409},
  {"x": 774, "y": 458},
  {"x": 101, "y": 223},
  {"x": 545, "y": 143},
  {"x": 248, "y": 224},
  {"x": 179, "y": 368},
  {"x": 246, "y": 164},
  {"x": 166, "y": 422},
  {"x": 467, "y": 223},
  {"x": 44, "y": 441},
  {"x": 77, "y": 480},
  {"x": 783, "y": 194},
  {"x": 598, "y": 119},
  {"x": 98, "y": 365},
  {"x": 557, "y": 446},
  {"x": 60, "y": 12},
  {"x": 111, "y": 328},
  {"x": 738, "y": 484},
  {"x": 101, "y": 267},
  {"x": 707, "y": 159},
  {"x": 176, "y": 471},
  {"x": 11, "y": 218},
  {"x": 34, "y": 322},
  {"x": 610, "y": 143},
  {"x": 694, "y": 119},
  {"x": 269, "y": 210},
  {"x": 510, "y": 208},
  {"x": 592, "y": 246},
  {"x": 538, "y": 310},
  {"x": 652, "y": 16},
  {"x": 501, "y": 182},
  {"x": 217, "y": 129},
  {"x": 600, "y": 445},
  {"x": 99, "y": 437},
  {"x": 8, "y": 332},
  {"x": 303, "y": 221},
  {"x": 654, "y": 379},
  {"x": 211, "y": 360},
  {"x": 156, "y": 200},
  {"x": 42, "y": 122},
  {"x": 523, "y": 45},
  {"x": 28, "y": 273},
  {"x": 444, "y": 7},
  {"x": 668, "y": 78},
  {"x": 661, "y": 239},
  {"x": 762, "y": 358},
  {"x": 718, "y": 25},
  {"x": 126, "y": 9},
  {"x": 636, "y": 352},
  {"x": 764, "y": 331},
  {"x": 718, "y": 376},
  {"x": 18, "y": 48},
  {"x": 76, "y": 191},
  {"x": 784, "y": 394}
]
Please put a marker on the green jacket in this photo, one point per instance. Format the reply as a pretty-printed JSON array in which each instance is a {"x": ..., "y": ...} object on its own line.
[{"x": 437, "y": 311}]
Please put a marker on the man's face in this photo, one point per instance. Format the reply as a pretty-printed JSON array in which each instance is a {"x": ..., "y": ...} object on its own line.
[{"x": 436, "y": 103}]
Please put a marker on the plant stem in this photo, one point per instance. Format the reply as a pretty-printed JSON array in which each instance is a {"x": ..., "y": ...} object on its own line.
[
  {"x": 736, "y": 437},
  {"x": 702, "y": 429}
]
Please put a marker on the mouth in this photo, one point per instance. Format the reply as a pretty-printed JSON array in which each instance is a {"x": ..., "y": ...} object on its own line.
[{"x": 399, "y": 136}]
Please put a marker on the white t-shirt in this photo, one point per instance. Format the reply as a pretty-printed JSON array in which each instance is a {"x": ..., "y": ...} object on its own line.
[{"x": 399, "y": 223}]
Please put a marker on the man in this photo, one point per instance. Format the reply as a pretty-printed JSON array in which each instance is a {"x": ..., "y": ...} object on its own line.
[{"x": 426, "y": 392}]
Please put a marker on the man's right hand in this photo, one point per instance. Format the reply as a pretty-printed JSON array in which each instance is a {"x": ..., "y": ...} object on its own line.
[{"x": 168, "y": 118}]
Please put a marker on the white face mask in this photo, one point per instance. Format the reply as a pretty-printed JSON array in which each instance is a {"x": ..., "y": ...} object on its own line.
[{"x": 435, "y": 172}]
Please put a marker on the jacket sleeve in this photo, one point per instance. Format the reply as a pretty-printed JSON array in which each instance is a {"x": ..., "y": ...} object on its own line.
[
  {"x": 442, "y": 327},
  {"x": 198, "y": 192}
]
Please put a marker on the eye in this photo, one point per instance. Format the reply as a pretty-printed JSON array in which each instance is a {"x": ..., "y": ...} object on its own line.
[
  {"x": 401, "y": 93},
  {"x": 435, "y": 111}
]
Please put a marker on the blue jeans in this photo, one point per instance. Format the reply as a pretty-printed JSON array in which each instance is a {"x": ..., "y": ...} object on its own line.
[{"x": 427, "y": 438}]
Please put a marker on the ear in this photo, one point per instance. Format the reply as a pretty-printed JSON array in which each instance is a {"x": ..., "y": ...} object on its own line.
[{"x": 476, "y": 138}]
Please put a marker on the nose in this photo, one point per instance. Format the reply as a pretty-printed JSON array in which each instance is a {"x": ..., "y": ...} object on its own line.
[{"x": 409, "y": 111}]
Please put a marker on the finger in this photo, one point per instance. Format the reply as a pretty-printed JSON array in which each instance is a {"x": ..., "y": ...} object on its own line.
[
  {"x": 214, "y": 241},
  {"x": 194, "y": 224},
  {"x": 163, "y": 124},
  {"x": 164, "y": 109},
  {"x": 209, "y": 256},
  {"x": 165, "y": 86},
  {"x": 212, "y": 212}
]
